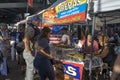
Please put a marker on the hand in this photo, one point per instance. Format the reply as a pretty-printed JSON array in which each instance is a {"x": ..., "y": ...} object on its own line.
[
  {"x": 5, "y": 38},
  {"x": 51, "y": 56},
  {"x": 32, "y": 53},
  {"x": 99, "y": 51},
  {"x": 1, "y": 38}
]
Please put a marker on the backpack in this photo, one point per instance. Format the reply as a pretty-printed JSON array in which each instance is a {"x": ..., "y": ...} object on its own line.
[{"x": 20, "y": 47}]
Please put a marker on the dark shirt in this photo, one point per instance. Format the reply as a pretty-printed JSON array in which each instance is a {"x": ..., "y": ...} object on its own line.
[
  {"x": 19, "y": 36},
  {"x": 111, "y": 57},
  {"x": 43, "y": 43},
  {"x": 13, "y": 36}
]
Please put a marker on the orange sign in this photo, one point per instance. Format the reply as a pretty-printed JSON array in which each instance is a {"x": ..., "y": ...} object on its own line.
[{"x": 69, "y": 11}]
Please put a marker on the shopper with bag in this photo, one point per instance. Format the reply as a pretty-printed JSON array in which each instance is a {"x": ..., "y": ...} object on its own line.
[{"x": 31, "y": 32}]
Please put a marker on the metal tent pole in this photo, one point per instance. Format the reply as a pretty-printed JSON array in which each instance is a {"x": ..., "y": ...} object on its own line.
[
  {"x": 91, "y": 12},
  {"x": 91, "y": 51}
]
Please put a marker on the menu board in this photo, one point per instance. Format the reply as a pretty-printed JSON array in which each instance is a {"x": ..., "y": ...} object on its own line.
[{"x": 69, "y": 11}]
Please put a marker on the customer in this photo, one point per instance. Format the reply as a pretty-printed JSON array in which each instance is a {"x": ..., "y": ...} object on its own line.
[
  {"x": 43, "y": 57},
  {"x": 20, "y": 46},
  {"x": 116, "y": 69},
  {"x": 106, "y": 51},
  {"x": 29, "y": 38},
  {"x": 87, "y": 44},
  {"x": 4, "y": 47}
]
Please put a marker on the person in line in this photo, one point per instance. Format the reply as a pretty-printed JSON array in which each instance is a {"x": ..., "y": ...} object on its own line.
[
  {"x": 81, "y": 40},
  {"x": 28, "y": 54},
  {"x": 20, "y": 47},
  {"x": 4, "y": 47},
  {"x": 42, "y": 61},
  {"x": 116, "y": 68},
  {"x": 106, "y": 51},
  {"x": 13, "y": 42},
  {"x": 87, "y": 44}
]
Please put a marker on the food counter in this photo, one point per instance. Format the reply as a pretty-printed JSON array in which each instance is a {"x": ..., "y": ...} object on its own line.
[{"x": 72, "y": 62}]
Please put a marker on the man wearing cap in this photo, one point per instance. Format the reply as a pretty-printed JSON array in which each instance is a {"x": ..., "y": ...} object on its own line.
[{"x": 31, "y": 33}]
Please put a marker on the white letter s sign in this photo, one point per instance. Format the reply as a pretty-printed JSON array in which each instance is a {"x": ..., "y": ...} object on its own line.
[{"x": 71, "y": 71}]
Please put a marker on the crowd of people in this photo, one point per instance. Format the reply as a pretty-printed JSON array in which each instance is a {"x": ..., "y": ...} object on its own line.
[
  {"x": 9, "y": 38},
  {"x": 31, "y": 45},
  {"x": 104, "y": 45}
]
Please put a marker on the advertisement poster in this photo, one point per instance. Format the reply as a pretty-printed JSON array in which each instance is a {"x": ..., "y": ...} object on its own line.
[
  {"x": 66, "y": 12},
  {"x": 74, "y": 70},
  {"x": 49, "y": 17}
]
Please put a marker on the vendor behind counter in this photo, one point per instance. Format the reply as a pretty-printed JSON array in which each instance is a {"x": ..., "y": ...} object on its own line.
[{"x": 65, "y": 40}]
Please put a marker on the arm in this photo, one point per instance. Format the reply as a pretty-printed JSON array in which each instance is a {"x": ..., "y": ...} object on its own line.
[
  {"x": 27, "y": 45},
  {"x": 42, "y": 52},
  {"x": 63, "y": 39},
  {"x": 1, "y": 38},
  {"x": 27, "y": 37},
  {"x": 41, "y": 45},
  {"x": 7, "y": 37},
  {"x": 95, "y": 47},
  {"x": 104, "y": 53}
]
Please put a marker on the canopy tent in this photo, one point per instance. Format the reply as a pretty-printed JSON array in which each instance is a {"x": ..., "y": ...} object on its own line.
[
  {"x": 108, "y": 10},
  {"x": 106, "y": 5},
  {"x": 110, "y": 17}
]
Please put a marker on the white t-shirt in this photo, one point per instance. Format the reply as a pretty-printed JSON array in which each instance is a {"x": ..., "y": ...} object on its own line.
[{"x": 66, "y": 39}]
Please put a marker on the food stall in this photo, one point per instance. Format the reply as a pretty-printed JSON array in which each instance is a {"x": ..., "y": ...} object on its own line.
[{"x": 73, "y": 63}]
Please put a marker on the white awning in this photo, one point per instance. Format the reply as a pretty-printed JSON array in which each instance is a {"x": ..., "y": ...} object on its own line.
[{"x": 106, "y": 5}]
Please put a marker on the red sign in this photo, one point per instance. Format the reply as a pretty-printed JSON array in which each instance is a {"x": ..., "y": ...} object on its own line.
[
  {"x": 30, "y": 3},
  {"x": 73, "y": 69},
  {"x": 71, "y": 19},
  {"x": 68, "y": 19},
  {"x": 69, "y": 11}
]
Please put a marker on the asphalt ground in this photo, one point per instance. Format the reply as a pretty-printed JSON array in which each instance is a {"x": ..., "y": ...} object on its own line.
[{"x": 15, "y": 72}]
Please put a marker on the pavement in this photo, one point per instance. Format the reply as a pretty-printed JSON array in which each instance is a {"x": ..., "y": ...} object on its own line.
[{"x": 14, "y": 72}]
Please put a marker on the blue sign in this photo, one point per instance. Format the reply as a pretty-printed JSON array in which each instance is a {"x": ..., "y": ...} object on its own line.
[
  {"x": 57, "y": 29},
  {"x": 76, "y": 10},
  {"x": 71, "y": 70}
]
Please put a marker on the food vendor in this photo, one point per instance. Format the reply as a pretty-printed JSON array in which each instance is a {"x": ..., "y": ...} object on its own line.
[{"x": 65, "y": 40}]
